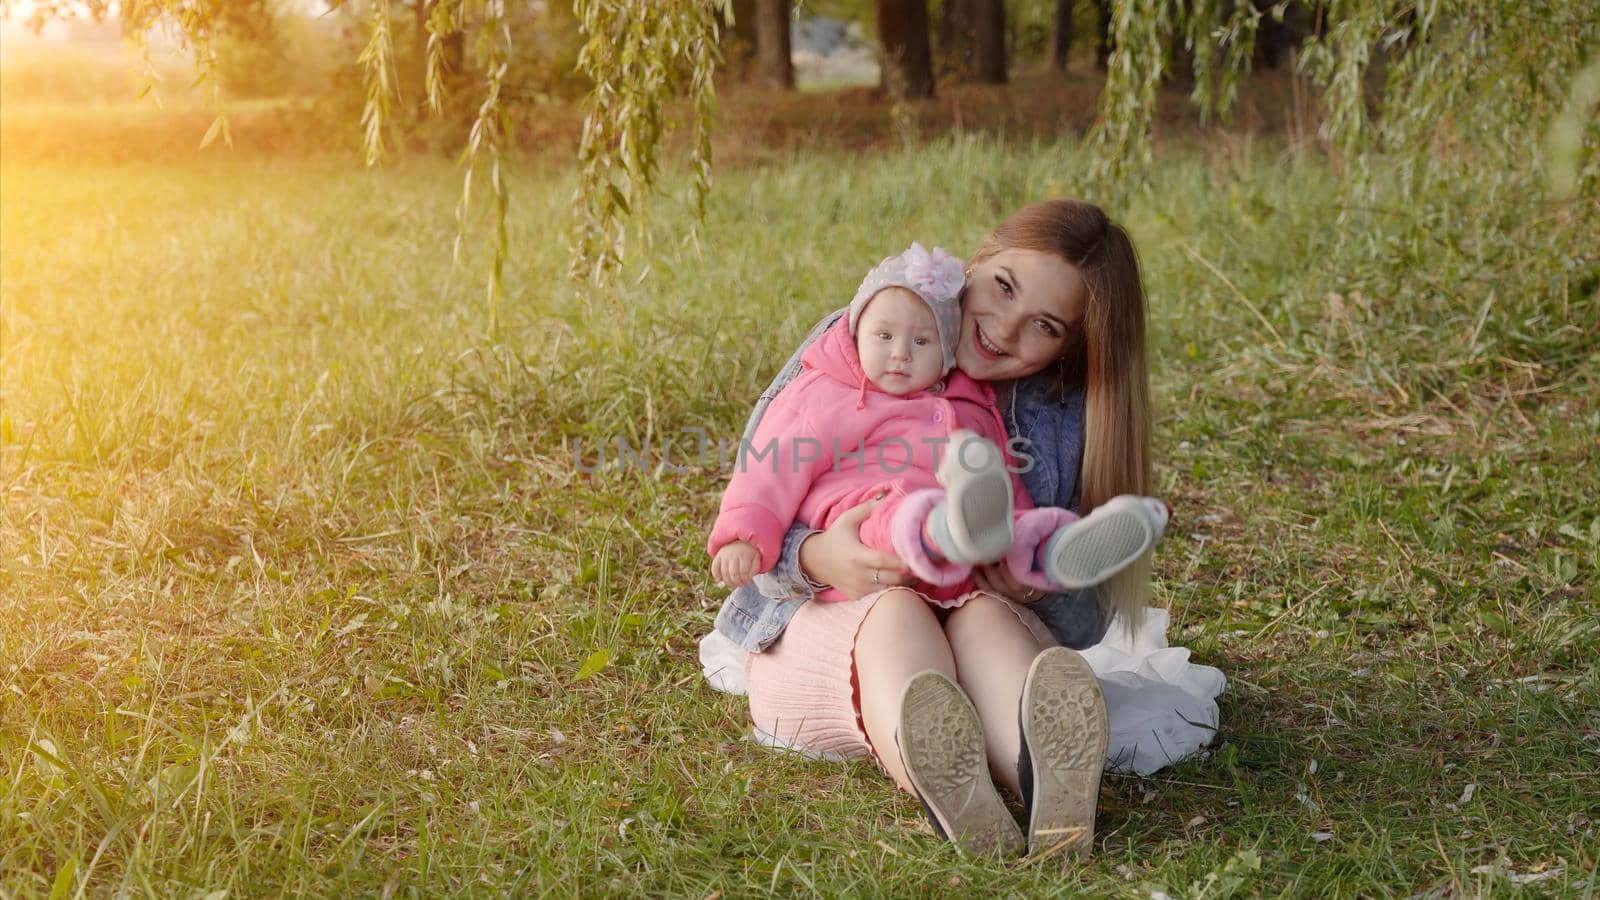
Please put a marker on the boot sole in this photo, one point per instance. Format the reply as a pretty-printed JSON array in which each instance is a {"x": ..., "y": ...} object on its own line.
[
  {"x": 1064, "y": 725},
  {"x": 980, "y": 505},
  {"x": 1099, "y": 546},
  {"x": 941, "y": 744}
]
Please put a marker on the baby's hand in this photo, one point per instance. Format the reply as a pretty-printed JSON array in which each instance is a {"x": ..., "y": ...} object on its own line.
[{"x": 735, "y": 564}]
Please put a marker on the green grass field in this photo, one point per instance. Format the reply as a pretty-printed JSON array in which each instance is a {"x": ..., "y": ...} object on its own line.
[{"x": 302, "y": 591}]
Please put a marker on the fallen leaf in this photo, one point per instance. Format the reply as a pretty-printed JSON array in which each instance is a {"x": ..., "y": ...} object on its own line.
[{"x": 592, "y": 666}]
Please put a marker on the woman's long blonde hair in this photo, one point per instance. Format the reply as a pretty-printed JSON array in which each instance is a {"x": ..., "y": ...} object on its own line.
[{"x": 1106, "y": 356}]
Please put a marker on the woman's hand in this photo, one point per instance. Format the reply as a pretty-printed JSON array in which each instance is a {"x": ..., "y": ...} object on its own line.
[
  {"x": 837, "y": 557},
  {"x": 996, "y": 579}
]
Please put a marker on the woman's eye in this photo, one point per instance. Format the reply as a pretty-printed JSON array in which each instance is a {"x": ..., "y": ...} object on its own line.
[
  {"x": 1005, "y": 286},
  {"x": 921, "y": 342},
  {"x": 883, "y": 336},
  {"x": 1049, "y": 330}
]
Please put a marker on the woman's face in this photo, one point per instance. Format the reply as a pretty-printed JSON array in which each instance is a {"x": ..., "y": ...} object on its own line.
[{"x": 1019, "y": 309}]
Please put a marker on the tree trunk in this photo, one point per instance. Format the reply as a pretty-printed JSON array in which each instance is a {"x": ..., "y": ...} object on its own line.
[
  {"x": 989, "y": 28},
  {"x": 907, "y": 58},
  {"x": 420, "y": 10},
  {"x": 956, "y": 40},
  {"x": 738, "y": 41},
  {"x": 1180, "y": 59},
  {"x": 744, "y": 20},
  {"x": 1104, "y": 40},
  {"x": 1061, "y": 36},
  {"x": 774, "y": 63},
  {"x": 1276, "y": 41}
]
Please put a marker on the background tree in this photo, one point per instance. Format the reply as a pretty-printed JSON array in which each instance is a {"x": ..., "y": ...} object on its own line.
[
  {"x": 907, "y": 55},
  {"x": 1283, "y": 27},
  {"x": 1102, "y": 36},
  {"x": 1061, "y": 35},
  {"x": 955, "y": 39},
  {"x": 737, "y": 38},
  {"x": 1182, "y": 43},
  {"x": 774, "y": 53},
  {"x": 252, "y": 53},
  {"x": 973, "y": 41},
  {"x": 989, "y": 58}
]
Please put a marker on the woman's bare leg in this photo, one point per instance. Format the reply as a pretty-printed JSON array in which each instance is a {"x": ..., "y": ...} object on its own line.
[
  {"x": 993, "y": 651},
  {"x": 900, "y": 637}
]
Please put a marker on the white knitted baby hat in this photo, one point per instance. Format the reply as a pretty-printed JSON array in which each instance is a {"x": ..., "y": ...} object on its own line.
[{"x": 936, "y": 277}]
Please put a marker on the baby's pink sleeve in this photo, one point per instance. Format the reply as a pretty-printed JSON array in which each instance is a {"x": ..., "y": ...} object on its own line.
[{"x": 770, "y": 479}]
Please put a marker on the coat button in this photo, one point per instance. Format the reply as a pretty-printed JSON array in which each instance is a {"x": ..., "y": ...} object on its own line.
[{"x": 938, "y": 417}]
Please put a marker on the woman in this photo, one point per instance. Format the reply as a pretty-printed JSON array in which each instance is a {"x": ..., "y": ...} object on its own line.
[{"x": 1053, "y": 318}]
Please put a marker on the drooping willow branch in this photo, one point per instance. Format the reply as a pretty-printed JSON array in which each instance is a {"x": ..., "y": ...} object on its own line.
[
  {"x": 641, "y": 55},
  {"x": 1122, "y": 137},
  {"x": 377, "y": 61},
  {"x": 484, "y": 142},
  {"x": 484, "y": 153}
]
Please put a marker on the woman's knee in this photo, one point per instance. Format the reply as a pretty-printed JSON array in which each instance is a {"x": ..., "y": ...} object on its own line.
[
  {"x": 900, "y": 608},
  {"x": 901, "y": 631},
  {"x": 980, "y": 609},
  {"x": 986, "y": 623}
]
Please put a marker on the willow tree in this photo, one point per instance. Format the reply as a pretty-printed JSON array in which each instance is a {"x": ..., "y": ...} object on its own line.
[
  {"x": 1440, "y": 89},
  {"x": 1435, "y": 88}
]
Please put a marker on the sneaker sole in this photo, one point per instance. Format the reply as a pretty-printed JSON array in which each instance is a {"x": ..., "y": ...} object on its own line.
[
  {"x": 1064, "y": 724},
  {"x": 941, "y": 744},
  {"x": 1099, "y": 546},
  {"x": 980, "y": 504}
]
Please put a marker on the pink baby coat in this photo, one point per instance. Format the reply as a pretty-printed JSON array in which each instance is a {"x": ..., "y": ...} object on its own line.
[{"x": 831, "y": 439}]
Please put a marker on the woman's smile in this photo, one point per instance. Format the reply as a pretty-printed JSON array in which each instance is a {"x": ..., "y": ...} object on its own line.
[{"x": 985, "y": 347}]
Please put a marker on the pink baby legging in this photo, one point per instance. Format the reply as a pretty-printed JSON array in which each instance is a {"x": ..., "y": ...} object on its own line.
[{"x": 896, "y": 525}]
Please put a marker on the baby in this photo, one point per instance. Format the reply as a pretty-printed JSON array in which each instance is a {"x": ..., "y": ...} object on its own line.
[{"x": 879, "y": 409}]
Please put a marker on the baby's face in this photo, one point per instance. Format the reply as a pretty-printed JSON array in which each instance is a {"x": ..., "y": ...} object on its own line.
[{"x": 898, "y": 342}]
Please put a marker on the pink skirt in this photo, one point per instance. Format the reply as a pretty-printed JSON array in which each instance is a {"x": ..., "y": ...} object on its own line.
[{"x": 803, "y": 691}]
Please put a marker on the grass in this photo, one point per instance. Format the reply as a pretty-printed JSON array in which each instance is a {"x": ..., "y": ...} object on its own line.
[{"x": 302, "y": 591}]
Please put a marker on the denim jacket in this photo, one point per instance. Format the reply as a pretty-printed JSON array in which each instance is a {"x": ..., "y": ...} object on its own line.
[{"x": 755, "y": 615}]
